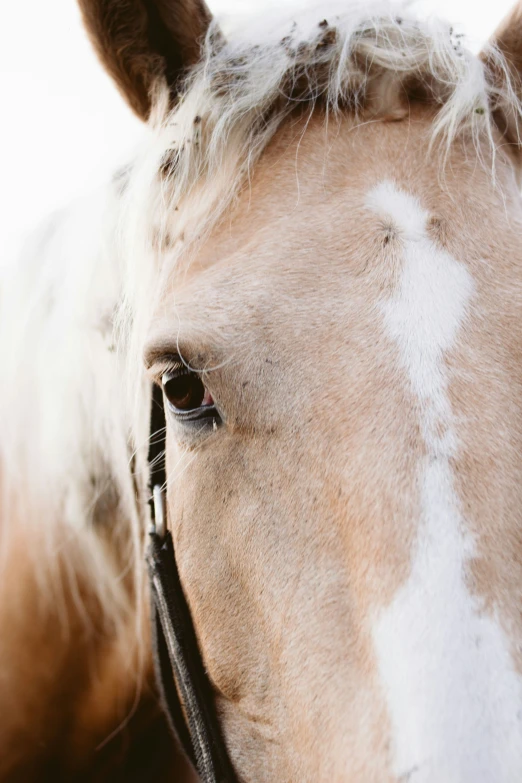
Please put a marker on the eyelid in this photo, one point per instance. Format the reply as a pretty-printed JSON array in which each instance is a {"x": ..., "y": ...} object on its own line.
[{"x": 164, "y": 364}]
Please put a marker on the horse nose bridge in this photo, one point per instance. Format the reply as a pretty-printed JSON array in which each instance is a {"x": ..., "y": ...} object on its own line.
[{"x": 452, "y": 693}]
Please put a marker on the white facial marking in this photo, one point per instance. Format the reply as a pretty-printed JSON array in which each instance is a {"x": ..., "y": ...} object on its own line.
[{"x": 453, "y": 697}]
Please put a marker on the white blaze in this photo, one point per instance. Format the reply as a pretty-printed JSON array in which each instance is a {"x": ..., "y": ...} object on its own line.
[{"x": 453, "y": 696}]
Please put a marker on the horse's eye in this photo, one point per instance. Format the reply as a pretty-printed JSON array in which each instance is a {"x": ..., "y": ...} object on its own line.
[{"x": 185, "y": 391}]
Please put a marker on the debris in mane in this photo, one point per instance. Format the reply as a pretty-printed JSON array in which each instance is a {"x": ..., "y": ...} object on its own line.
[{"x": 246, "y": 86}]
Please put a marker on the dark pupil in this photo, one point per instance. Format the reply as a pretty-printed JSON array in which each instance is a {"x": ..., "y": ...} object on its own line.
[{"x": 186, "y": 392}]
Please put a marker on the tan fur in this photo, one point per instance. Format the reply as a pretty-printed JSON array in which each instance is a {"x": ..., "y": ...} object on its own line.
[
  {"x": 294, "y": 524},
  {"x": 75, "y": 704}
]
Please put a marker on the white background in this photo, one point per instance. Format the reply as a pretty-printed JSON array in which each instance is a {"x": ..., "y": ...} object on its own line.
[{"x": 64, "y": 127}]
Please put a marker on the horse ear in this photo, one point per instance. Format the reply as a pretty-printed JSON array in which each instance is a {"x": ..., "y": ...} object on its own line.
[
  {"x": 507, "y": 75},
  {"x": 141, "y": 42}
]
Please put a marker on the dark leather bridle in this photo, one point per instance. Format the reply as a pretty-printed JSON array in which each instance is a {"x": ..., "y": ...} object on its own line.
[{"x": 185, "y": 688}]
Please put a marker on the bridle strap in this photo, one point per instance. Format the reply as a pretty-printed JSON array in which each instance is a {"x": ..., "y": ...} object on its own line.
[{"x": 185, "y": 688}]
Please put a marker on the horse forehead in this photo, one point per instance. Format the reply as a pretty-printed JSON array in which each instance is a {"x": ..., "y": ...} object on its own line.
[{"x": 311, "y": 184}]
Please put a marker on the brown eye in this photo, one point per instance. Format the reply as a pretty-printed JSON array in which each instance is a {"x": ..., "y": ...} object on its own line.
[{"x": 185, "y": 391}]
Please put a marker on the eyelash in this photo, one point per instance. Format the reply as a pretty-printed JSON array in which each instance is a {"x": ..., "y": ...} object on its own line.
[{"x": 174, "y": 365}]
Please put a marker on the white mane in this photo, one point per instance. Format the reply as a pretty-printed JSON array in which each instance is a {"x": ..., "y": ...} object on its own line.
[
  {"x": 67, "y": 430},
  {"x": 66, "y": 472}
]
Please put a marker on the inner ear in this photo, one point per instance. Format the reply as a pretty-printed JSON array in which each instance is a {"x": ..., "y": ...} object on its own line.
[
  {"x": 143, "y": 42},
  {"x": 505, "y": 73}
]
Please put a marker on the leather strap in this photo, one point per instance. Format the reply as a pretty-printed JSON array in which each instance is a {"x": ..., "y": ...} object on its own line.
[{"x": 185, "y": 688}]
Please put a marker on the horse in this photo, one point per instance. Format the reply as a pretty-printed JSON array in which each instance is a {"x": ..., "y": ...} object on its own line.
[{"x": 316, "y": 254}]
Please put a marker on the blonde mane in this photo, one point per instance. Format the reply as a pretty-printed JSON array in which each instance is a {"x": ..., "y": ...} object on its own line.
[{"x": 72, "y": 443}]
